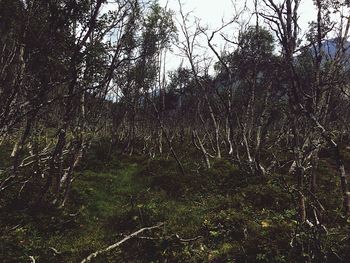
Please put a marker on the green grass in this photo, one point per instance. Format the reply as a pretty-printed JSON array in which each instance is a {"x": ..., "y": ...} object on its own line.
[{"x": 235, "y": 217}]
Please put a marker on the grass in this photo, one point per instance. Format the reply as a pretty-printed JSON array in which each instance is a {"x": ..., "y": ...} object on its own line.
[{"x": 233, "y": 217}]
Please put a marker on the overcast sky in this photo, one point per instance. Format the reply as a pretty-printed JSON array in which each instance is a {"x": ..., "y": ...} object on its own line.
[{"x": 211, "y": 12}]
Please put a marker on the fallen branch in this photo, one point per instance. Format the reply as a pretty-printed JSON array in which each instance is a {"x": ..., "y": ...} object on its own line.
[
  {"x": 187, "y": 240},
  {"x": 111, "y": 247},
  {"x": 55, "y": 250}
]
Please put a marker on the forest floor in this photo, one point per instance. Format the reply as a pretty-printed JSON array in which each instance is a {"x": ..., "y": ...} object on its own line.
[{"x": 216, "y": 215}]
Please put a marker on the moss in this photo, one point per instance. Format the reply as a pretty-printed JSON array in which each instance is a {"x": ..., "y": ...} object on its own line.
[
  {"x": 5, "y": 153},
  {"x": 232, "y": 216}
]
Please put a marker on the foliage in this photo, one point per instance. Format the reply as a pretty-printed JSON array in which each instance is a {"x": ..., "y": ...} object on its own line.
[
  {"x": 244, "y": 165},
  {"x": 229, "y": 216}
]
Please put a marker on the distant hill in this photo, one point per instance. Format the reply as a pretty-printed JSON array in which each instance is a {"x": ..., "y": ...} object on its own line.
[{"x": 331, "y": 47}]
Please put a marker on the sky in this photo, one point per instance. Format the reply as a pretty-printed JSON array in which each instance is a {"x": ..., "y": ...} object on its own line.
[{"x": 211, "y": 13}]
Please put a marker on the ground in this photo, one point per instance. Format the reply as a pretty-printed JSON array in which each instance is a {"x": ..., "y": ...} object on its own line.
[{"x": 216, "y": 215}]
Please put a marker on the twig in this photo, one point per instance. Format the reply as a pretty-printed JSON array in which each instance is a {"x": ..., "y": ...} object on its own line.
[
  {"x": 188, "y": 239},
  {"x": 55, "y": 250},
  {"x": 95, "y": 254}
]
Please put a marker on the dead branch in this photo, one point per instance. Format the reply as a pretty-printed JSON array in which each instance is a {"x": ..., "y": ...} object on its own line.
[
  {"x": 111, "y": 247},
  {"x": 187, "y": 240}
]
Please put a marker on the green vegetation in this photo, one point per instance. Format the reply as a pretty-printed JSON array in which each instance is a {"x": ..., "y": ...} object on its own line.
[
  {"x": 216, "y": 215},
  {"x": 111, "y": 152}
]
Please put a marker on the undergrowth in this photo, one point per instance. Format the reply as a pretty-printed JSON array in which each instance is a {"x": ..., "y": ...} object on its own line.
[{"x": 216, "y": 215}]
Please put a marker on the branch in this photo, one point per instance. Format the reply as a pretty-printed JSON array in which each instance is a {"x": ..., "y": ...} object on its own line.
[
  {"x": 187, "y": 240},
  {"x": 111, "y": 247}
]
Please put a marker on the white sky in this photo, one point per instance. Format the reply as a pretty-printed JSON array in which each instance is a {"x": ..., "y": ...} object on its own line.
[{"x": 211, "y": 12}]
